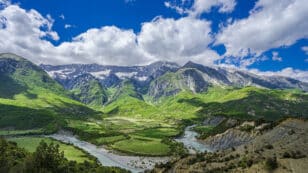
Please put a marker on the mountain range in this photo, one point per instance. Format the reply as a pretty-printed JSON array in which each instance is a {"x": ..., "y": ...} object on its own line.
[
  {"x": 77, "y": 90},
  {"x": 139, "y": 110},
  {"x": 165, "y": 78}
]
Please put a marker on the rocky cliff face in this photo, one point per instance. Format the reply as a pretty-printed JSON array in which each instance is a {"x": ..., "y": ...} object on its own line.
[
  {"x": 88, "y": 90},
  {"x": 228, "y": 139},
  {"x": 197, "y": 78},
  {"x": 110, "y": 75},
  {"x": 172, "y": 83},
  {"x": 165, "y": 78}
]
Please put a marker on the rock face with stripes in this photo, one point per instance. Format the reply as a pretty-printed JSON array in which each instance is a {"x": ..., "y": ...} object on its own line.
[{"x": 166, "y": 78}]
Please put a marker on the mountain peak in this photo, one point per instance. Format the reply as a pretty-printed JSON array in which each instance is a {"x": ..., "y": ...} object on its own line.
[
  {"x": 164, "y": 63},
  {"x": 11, "y": 56},
  {"x": 191, "y": 64}
]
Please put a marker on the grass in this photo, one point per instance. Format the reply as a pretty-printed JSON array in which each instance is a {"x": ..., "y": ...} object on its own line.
[
  {"x": 20, "y": 132},
  {"x": 203, "y": 129},
  {"x": 158, "y": 132},
  {"x": 109, "y": 140},
  {"x": 31, "y": 100},
  {"x": 142, "y": 146},
  {"x": 70, "y": 152},
  {"x": 124, "y": 134},
  {"x": 134, "y": 126}
]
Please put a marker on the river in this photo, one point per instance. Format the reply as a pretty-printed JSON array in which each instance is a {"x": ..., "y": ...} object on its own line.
[
  {"x": 190, "y": 141},
  {"x": 133, "y": 163},
  {"x": 106, "y": 157}
]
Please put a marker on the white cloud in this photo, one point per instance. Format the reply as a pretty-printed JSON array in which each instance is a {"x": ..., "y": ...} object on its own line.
[
  {"x": 202, "y": 6},
  {"x": 24, "y": 32},
  {"x": 244, "y": 62},
  {"x": 161, "y": 39},
  {"x": 5, "y": 2},
  {"x": 199, "y": 7},
  {"x": 271, "y": 24},
  {"x": 106, "y": 45},
  {"x": 178, "y": 40},
  {"x": 109, "y": 45},
  {"x": 276, "y": 56},
  {"x": 175, "y": 7},
  {"x": 286, "y": 72}
]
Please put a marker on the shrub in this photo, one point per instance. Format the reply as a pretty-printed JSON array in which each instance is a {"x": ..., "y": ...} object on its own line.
[
  {"x": 286, "y": 155},
  {"x": 271, "y": 163},
  {"x": 268, "y": 146},
  {"x": 249, "y": 162}
]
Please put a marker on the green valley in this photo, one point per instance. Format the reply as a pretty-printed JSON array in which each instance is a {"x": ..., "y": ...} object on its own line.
[{"x": 131, "y": 118}]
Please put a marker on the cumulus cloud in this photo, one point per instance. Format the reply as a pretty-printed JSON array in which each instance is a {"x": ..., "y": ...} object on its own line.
[
  {"x": 106, "y": 45},
  {"x": 178, "y": 40},
  {"x": 161, "y": 39},
  {"x": 271, "y": 24},
  {"x": 25, "y": 32}
]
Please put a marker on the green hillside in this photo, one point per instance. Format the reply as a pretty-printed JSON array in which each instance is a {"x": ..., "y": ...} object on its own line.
[
  {"x": 126, "y": 101},
  {"x": 29, "y": 98},
  {"x": 33, "y": 103},
  {"x": 88, "y": 90},
  {"x": 132, "y": 121},
  {"x": 243, "y": 103}
]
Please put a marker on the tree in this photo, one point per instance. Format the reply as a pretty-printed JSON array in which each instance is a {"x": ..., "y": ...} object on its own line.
[{"x": 48, "y": 158}]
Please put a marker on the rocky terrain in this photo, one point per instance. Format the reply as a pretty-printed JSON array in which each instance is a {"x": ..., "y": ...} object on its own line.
[
  {"x": 282, "y": 148},
  {"x": 166, "y": 78},
  {"x": 87, "y": 89}
]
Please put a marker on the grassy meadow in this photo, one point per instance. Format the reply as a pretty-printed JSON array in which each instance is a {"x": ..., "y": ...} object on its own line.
[{"x": 70, "y": 152}]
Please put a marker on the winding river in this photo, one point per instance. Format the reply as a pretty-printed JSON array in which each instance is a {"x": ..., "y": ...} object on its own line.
[
  {"x": 106, "y": 157},
  {"x": 135, "y": 164},
  {"x": 190, "y": 141}
]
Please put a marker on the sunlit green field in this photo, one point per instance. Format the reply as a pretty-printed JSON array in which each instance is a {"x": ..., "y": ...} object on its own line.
[
  {"x": 70, "y": 152},
  {"x": 138, "y": 127},
  {"x": 142, "y": 146},
  {"x": 128, "y": 135}
]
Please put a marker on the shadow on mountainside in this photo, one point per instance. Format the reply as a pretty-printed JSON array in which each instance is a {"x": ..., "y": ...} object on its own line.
[{"x": 254, "y": 106}]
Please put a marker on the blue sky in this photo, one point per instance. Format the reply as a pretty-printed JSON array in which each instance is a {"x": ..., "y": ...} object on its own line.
[{"x": 263, "y": 36}]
